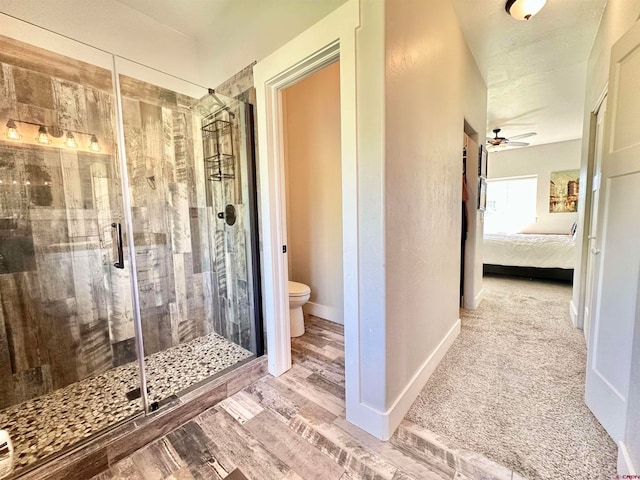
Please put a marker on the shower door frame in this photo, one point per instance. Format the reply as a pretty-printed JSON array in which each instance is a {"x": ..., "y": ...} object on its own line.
[
  {"x": 254, "y": 227},
  {"x": 128, "y": 220}
]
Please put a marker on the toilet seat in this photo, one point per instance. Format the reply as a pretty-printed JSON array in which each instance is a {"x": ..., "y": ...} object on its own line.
[{"x": 298, "y": 289}]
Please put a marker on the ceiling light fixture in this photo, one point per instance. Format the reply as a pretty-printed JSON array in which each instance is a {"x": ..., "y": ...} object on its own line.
[{"x": 524, "y": 9}]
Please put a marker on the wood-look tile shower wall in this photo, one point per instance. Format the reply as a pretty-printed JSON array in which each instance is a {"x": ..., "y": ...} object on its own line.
[{"x": 65, "y": 311}]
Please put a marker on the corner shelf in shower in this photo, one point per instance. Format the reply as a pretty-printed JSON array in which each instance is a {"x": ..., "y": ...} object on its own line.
[
  {"x": 217, "y": 136},
  {"x": 217, "y": 126},
  {"x": 220, "y": 166}
]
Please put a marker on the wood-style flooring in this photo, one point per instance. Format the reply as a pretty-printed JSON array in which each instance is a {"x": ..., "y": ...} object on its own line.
[{"x": 293, "y": 428}]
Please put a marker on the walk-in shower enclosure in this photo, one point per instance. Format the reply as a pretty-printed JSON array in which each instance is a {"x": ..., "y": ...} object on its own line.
[{"x": 127, "y": 241}]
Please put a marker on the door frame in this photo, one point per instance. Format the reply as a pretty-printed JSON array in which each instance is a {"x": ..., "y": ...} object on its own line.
[
  {"x": 577, "y": 311},
  {"x": 597, "y": 146},
  {"x": 330, "y": 39}
]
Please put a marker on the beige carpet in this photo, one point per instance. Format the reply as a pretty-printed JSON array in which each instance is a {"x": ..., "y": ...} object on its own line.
[{"x": 512, "y": 386}]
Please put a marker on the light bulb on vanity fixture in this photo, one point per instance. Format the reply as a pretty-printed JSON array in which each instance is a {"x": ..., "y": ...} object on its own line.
[
  {"x": 12, "y": 132},
  {"x": 43, "y": 137},
  {"x": 70, "y": 141},
  {"x": 94, "y": 146},
  {"x": 524, "y": 9}
]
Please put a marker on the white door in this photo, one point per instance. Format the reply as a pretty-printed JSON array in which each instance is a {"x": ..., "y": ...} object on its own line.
[
  {"x": 618, "y": 242},
  {"x": 592, "y": 259}
]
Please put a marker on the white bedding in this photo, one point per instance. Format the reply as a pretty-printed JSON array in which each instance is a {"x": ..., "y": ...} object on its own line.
[{"x": 528, "y": 250}]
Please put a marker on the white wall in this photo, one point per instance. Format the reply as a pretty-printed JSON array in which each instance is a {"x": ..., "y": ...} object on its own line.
[
  {"x": 111, "y": 26},
  {"x": 250, "y": 31},
  {"x": 427, "y": 61},
  {"x": 540, "y": 160},
  {"x": 311, "y": 111}
]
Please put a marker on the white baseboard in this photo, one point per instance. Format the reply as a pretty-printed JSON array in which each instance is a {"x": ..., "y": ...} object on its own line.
[
  {"x": 332, "y": 314},
  {"x": 625, "y": 463},
  {"x": 573, "y": 313},
  {"x": 383, "y": 424},
  {"x": 401, "y": 406}
]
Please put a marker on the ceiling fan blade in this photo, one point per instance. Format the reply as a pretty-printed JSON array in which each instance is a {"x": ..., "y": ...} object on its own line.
[
  {"x": 518, "y": 144},
  {"x": 523, "y": 135}
]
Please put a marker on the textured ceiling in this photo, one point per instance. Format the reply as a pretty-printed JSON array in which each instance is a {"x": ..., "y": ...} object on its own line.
[{"x": 535, "y": 70}]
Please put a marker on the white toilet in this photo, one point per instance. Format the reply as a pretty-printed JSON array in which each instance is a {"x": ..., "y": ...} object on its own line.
[{"x": 299, "y": 294}]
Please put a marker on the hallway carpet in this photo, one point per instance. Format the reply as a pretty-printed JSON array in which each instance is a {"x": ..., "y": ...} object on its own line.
[{"x": 512, "y": 386}]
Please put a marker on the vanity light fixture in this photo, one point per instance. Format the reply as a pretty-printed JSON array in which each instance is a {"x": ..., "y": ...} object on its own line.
[
  {"x": 524, "y": 9},
  {"x": 70, "y": 141},
  {"x": 46, "y": 132},
  {"x": 12, "y": 131},
  {"x": 94, "y": 146},
  {"x": 43, "y": 137}
]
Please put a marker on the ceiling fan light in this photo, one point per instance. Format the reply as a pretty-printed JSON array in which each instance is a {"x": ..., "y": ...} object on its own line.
[{"x": 524, "y": 9}]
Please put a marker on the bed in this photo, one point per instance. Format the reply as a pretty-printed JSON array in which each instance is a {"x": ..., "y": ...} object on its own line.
[{"x": 530, "y": 255}]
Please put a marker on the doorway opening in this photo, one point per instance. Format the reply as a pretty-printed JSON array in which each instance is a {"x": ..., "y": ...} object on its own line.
[
  {"x": 313, "y": 179},
  {"x": 327, "y": 41}
]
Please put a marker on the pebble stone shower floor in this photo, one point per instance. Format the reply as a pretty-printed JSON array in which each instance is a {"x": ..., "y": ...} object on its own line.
[{"x": 51, "y": 423}]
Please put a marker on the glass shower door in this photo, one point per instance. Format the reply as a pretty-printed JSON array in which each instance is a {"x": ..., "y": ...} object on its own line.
[{"x": 66, "y": 324}]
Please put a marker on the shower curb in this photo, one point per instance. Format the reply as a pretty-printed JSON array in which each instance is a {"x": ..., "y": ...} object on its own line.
[{"x": 98, "y": 455}]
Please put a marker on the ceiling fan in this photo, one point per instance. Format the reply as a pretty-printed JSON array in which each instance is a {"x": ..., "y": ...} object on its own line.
[{"x": 499, "y": 141}]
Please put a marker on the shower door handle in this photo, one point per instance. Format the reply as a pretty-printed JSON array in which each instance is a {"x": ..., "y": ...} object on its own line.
[{"x": 120, "y": 262}]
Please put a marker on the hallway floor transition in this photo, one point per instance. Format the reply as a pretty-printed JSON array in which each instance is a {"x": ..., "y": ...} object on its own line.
[
  {"x": 512, "y": 386},
  {"x": 293, "y": 428}
]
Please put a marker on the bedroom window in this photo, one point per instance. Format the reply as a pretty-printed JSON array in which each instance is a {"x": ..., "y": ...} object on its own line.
[{"x": 511, "y": 204}]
